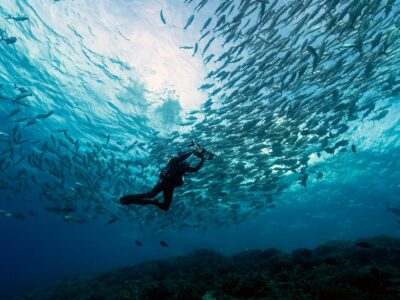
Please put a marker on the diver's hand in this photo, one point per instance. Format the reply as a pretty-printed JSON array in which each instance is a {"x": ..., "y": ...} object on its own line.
[{"x": 199, "y": 154}]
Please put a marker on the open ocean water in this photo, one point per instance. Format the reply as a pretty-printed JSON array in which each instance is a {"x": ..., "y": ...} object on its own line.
[{"x": 298, "y": 100}]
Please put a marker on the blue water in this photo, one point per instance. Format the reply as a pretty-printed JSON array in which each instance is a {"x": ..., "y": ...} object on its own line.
[{"x": 121, "y": 93}]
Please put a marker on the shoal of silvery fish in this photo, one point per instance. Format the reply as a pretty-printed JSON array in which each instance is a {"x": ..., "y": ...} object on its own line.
[{"x": 291, "y": 81}]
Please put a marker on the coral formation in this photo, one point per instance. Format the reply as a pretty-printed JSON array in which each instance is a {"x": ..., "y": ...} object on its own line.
[{"x": 365, "y": 269}]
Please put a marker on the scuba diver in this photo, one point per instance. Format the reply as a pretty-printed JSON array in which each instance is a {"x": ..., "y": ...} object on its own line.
[{"x": 170, "y": 177}]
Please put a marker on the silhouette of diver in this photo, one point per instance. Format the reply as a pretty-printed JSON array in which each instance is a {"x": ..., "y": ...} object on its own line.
[{"x": 170, "y": 177}]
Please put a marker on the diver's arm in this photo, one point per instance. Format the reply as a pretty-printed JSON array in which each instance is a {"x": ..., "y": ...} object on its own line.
[
  {"x": 196, "y": 168},
  {"x": 184, "y": 156}
]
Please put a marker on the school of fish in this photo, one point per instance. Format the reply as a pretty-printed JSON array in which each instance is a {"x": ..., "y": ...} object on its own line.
[{"x": 289, "y": 81}]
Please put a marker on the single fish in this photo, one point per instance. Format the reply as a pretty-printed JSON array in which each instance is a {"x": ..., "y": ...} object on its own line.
[
  {"x": 200, "y": 5},
  {"x": 208, "y": 59},
  {"x": 314, "y": 53},
  {"x": 44, "y": 116},
  {"x": 18, "y": 19},
  {"x": 162, "y": 17},
  {"x": 186, "y": 47},
  {"x": 206, "y": 86},
  {"x": 60, "y": 130},
  {"x": 208, "y": 45},
  {"x": 10, "y": 40},
  {"x": 74, "y": 219},
  {"x": 164, "y": 244},
  {"x": 30, "y": 123},
  {"x": 196, "y": 47},
  {"x": 189, "y": 22},
  {"x": 204, "y": 35},
  {"x": 206, "y": 24},
  {"x": 112, "y": 220},
  {"x": 13, "y": 113}
]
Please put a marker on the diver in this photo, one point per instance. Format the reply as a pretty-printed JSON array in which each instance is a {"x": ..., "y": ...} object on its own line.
[{"x": 170, "y": 178}]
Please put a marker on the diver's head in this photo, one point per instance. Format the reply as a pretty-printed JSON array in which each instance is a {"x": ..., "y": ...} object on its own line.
[{"x": 181, "y": 153}]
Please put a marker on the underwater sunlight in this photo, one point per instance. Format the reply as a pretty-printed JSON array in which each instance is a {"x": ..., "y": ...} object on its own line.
[{"x": 200, "y": 149}]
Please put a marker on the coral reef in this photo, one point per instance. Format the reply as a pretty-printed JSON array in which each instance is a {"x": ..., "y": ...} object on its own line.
[{"x": 365, "y": 269}]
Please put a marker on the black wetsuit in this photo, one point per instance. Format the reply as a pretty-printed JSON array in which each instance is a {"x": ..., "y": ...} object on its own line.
[{"x": 170, "y": 177}]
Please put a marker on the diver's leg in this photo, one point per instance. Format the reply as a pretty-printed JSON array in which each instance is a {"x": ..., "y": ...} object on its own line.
[
  {"x": 168, "y": 193},
  {"x": 142, "y": 199}
]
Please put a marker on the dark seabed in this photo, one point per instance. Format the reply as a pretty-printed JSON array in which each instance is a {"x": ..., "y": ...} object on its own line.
[
  {"x": 364, "y": 269},
  {"x": 297, "y": 100}
]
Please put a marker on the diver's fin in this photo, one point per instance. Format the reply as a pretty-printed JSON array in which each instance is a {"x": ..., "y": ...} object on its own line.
[{"x": 134, "y": 199}]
